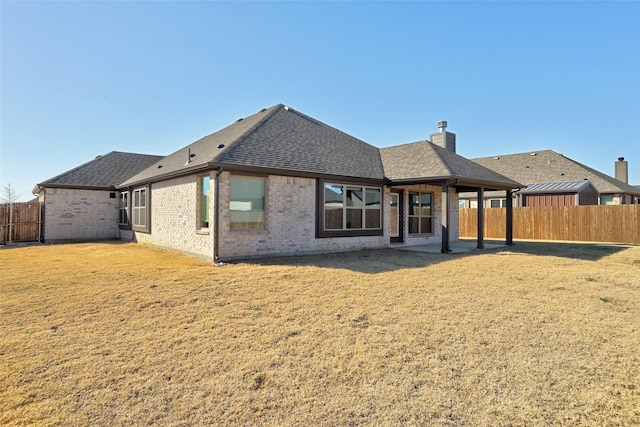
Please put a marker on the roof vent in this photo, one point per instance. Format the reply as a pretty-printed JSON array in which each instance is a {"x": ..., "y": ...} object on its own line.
[
  {"x": 189, "y": 157},
  {"x": 288, "y": 108},
  {"x": 263, "y": 110},
  {"x": 159, "y": 166},
  {"x": 239, "y": 120},
  {"x": 534, "y": 154},
  {"x": 442, "y": 125},
  {"x": 496, "y": 158},
  {"x": 220, "y": 146}
]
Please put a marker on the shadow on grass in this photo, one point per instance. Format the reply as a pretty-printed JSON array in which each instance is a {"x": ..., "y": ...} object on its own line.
[{"x": 375, "y": 261}]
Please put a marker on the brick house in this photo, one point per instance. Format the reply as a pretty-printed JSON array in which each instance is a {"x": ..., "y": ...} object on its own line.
[
  {"x": 281, "y": 182},
  {"x": 82, "y": 203}
]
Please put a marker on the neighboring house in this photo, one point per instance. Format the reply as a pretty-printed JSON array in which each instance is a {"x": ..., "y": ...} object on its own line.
[
  {"x": 83, "y": 203},
  {"x": 281, "y": 182},
  {"x": 553, "y": 179},
  {"x": 570, "y": 193}
]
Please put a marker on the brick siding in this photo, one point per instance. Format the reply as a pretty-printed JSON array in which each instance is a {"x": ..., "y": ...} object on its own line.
[
  {"x": 72, "y": 214},
  {"x": 290, "y": 205}
]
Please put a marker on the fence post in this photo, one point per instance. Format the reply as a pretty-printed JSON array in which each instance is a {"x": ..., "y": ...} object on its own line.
[
  {"x": 10, "y": 221},
  {"x": 480, "y": 218},
  {"x": 509, "y": 225}
]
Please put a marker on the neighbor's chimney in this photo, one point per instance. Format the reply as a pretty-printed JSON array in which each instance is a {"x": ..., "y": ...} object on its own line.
[
  {"x": 622, "y": 170},
  {"x": 443, "y": 138}
]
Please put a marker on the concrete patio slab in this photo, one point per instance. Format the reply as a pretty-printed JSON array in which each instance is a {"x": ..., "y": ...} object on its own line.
[{"x": 456, "y": 247}]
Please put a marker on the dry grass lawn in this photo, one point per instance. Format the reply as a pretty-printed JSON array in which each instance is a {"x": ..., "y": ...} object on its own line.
[{"x": 121, "y": 334}]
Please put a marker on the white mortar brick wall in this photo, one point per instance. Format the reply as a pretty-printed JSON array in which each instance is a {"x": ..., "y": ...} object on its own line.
[
  {"x": 290, "y": 220},
  {"x": 174, "y": 209},
  {"x": 73, "y": 214},
  {"x": 290, "y": 223}
]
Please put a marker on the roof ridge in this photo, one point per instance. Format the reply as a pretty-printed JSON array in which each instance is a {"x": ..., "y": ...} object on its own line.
[
  {"x": 253, "y": 128},
  {"x": 436, "y": 149},
  {"x": 610, "y": 179}
]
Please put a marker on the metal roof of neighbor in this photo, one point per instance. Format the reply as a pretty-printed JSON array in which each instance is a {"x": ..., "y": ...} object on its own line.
[
  {"x": 556, "y": 187},
  {"x": 103, "y": 172},
  {"x": 547, "y": 165}
]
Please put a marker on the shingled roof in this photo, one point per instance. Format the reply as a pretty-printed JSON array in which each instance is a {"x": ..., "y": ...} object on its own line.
[
  {"x": 104, "y": 172},
  {"x": 278, "y": 139},
  {"x": 423, "y": 160},
  {"x": 547, "y": 165},
  {"x": 282, "y": 140}
]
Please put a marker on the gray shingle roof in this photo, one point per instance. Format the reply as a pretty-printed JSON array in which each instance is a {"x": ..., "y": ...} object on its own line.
[
  {"x": 277, "y": 138},
  {"x": 547, "y": 165},
  {"x": 104, "y": 171},
  {"x": 425, "y": 160},
  {"x": 282, "y": 140}
]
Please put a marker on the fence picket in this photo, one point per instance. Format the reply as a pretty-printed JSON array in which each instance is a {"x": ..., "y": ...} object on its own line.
[{"x": 612, "y": 223}]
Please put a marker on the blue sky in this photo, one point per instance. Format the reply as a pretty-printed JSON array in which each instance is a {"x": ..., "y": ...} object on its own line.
[{"x": 79, "y": 79}]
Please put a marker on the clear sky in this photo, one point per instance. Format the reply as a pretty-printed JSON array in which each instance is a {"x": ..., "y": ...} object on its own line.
[{"x": 84, "y": 78}]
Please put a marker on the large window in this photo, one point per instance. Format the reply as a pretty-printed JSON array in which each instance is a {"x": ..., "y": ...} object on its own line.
[
  {"x": 246, "y": 203},
  {"x": 140, "y": 209},
  {"x": 123, "y": 216},
  {"x": 420, "y": 213},
  {"x": 203, "y": 202},
  {"x": 351, "y": 207}
]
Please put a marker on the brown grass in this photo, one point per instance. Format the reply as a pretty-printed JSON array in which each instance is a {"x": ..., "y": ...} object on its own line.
[{"x": 122, "y": 334}]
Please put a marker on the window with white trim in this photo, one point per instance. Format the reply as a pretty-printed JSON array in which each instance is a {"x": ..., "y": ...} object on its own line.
[
  {"x": 123, "y": 209},
  {"x": 498, "y": 203}
]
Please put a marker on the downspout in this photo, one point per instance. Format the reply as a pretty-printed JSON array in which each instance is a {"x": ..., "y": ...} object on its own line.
[
  {"x": 39, "y": 216},
  {"x": 216, "y": 219}
]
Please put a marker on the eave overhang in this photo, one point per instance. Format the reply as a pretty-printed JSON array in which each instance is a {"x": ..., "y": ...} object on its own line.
[
  {"x": 460, "y": 183},
  {"x": 229, "y": 167}
]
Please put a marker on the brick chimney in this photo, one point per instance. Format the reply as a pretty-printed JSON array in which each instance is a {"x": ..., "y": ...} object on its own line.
[
  {"x": 443, "y": 138},
  {"x": 622, "y": 170}
]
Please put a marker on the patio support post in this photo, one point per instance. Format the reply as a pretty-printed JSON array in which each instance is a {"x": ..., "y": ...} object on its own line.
[
  {"x": 509, "y": 236},
  {"x": 446, "y": 206},
  {"x": 480, "y": 218}
]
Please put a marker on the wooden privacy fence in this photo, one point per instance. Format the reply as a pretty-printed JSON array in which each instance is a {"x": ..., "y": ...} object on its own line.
[
  {"x": 610, "y": 223},
  {"x": 20, "y": 222}
]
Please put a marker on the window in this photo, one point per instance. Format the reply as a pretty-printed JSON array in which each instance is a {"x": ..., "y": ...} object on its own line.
[
  {"x": 246, "y": 203},
  {"x": 140, "y": 209},
  {"x": 606, "y": 200},
  {"x": 203, "y": 202},
  {"x": 351, "y": 207},
  {"x": 498, "y": 203},
  {"x": 123, "y": 216},
  {"x": 420, "y": 213}
]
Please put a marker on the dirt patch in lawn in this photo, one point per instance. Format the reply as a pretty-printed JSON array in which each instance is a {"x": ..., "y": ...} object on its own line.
[{"x": 123, "y": 334}]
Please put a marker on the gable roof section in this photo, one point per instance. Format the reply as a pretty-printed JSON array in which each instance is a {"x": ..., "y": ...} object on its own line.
[
  {"x": 543, "y": 166},
  {"x": 423, "y": 160},
  {"x": 274, "y": 139},
  {"x": 104, "y": 172}
]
